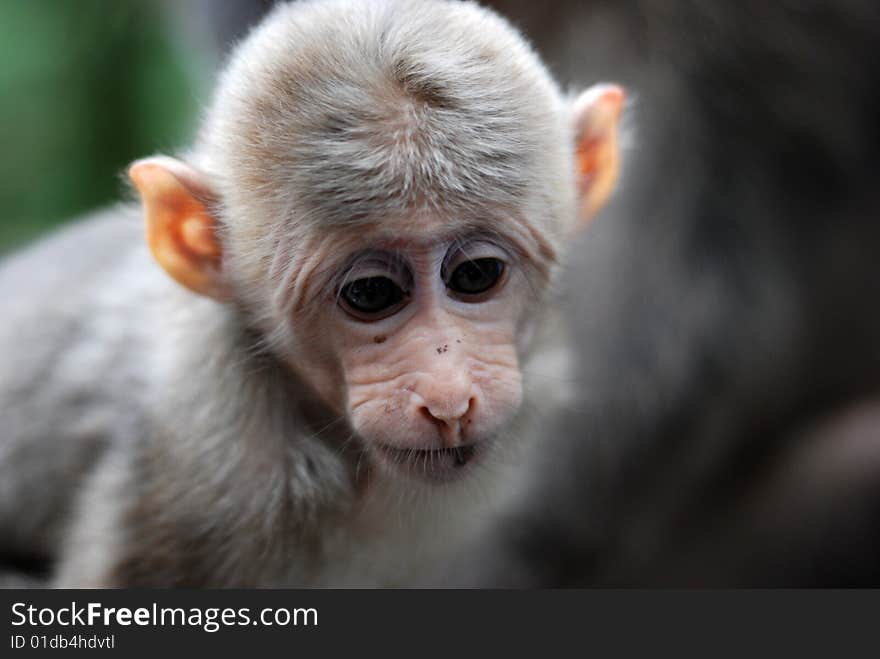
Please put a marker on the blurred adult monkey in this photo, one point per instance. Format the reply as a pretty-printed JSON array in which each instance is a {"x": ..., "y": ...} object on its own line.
[
  {"x": 365, "y": 234},
  {"x": 727, "y": 425}
]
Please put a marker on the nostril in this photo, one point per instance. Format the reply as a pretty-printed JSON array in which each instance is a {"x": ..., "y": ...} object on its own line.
[
  {"x": 472, "y": 405},
  {"x": 467, "y": 417},
  {"x": 425, "y": 412}
]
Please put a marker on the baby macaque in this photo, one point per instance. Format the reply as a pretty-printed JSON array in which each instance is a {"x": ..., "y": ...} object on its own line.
[{"x": 323, "y": 382}]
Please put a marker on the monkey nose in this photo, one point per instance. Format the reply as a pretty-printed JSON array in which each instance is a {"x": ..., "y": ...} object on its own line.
[{"x": 449, "y": 418}]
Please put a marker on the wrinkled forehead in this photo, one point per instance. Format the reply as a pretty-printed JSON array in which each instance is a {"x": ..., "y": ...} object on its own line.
[{"x": 423, "y": 232}]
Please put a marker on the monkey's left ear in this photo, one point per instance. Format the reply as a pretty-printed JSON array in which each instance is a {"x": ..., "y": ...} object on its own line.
[
  {"x": 596, "y": 121},
  {"x": 180, "y": 230}
]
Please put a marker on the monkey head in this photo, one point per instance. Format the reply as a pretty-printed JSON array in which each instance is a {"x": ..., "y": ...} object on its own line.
[{"x": 387, "y": 207}]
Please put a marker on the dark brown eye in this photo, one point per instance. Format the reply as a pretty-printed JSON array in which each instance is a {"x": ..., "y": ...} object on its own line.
[
  {"x": 372, "y": 298},
  {"x": 472, "y": 278}
]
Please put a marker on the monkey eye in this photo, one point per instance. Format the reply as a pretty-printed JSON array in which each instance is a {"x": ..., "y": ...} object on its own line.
[
  {"x": 371, "y": 298},
  {"x": 470, "y": 279}
]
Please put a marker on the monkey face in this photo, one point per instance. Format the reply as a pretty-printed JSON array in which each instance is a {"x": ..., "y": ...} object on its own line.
[{"x": 425, "y": 335}]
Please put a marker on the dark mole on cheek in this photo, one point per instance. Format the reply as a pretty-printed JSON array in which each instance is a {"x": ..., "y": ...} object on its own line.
[
  {"x": 379, "y": 339},
  {"x": 443, "y": 348}
]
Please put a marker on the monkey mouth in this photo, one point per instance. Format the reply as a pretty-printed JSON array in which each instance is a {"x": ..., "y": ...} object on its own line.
[{"x": 432, "y": 464}]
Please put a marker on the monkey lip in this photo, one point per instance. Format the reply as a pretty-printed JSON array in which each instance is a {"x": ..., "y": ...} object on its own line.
[{"x": 432, "y": 464}]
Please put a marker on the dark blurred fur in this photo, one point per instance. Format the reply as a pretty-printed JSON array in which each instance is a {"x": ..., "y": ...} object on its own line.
[{"x": 727, "y": 306}]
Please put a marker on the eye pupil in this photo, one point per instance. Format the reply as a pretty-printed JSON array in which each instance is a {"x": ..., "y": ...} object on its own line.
[
  {"x": 371, "y": 295},
  {"x": 475, "y": 277}
]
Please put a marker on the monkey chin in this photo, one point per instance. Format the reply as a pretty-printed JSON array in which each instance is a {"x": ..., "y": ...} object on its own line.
[{"x": 432, "y": 465}]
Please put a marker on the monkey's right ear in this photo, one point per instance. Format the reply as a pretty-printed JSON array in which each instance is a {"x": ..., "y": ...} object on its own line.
[
  {"x": 596, "y": 121},
  {"x": 181, "y": 232}
]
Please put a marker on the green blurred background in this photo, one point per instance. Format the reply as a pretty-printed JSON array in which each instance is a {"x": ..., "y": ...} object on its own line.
[{"x": 87, "y": 86}]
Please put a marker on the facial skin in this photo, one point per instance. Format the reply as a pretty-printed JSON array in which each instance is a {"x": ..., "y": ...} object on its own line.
[
  {"x": 414, "y": 331},
  {"x": 426, "y": 334}
]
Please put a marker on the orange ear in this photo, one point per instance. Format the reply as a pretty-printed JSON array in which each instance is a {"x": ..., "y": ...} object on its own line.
[
  {"x": 181, "y": 232},
  {"x": 597, "y": 118}
]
